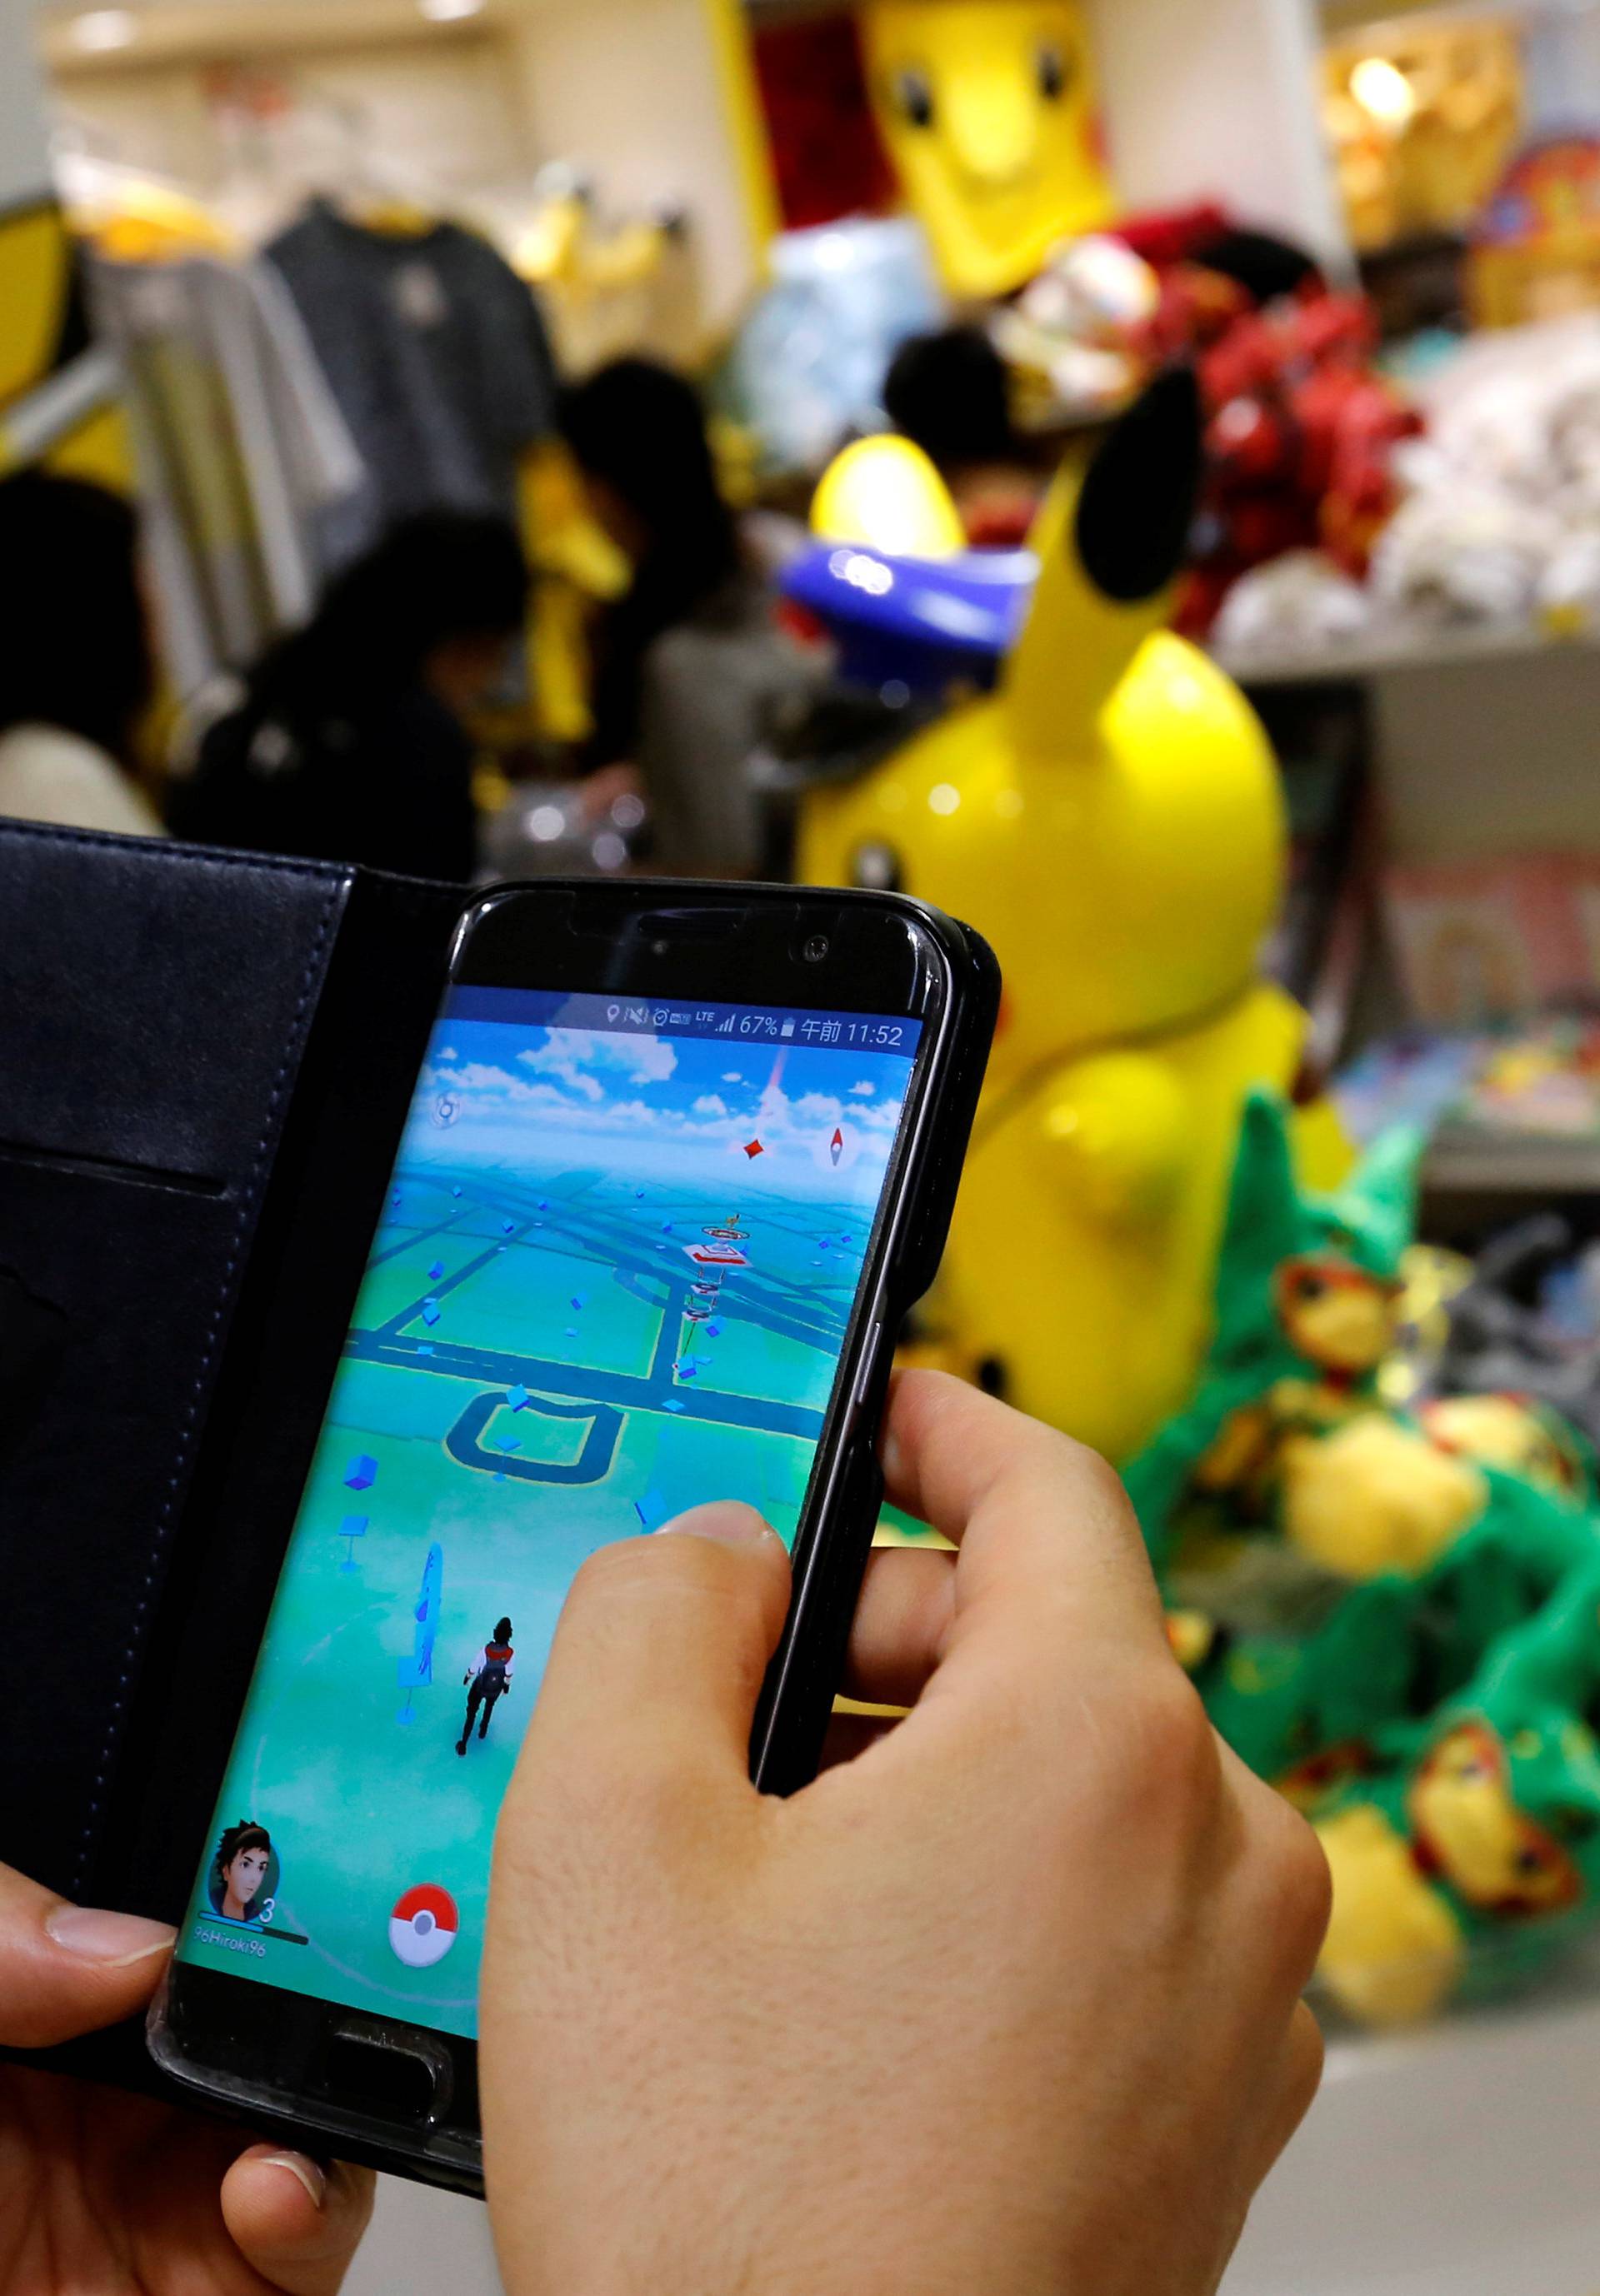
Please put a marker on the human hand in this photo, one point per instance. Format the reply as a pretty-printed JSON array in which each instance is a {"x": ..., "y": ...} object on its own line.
[
  {"x": 1008, "y": 2000},
  {"x": 104, "y": 2194}
]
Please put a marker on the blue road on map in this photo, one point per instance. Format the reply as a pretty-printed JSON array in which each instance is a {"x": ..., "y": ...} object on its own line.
[
  {"x": 810, "y": 1317},
  {"x": 592, "y": 1466}
]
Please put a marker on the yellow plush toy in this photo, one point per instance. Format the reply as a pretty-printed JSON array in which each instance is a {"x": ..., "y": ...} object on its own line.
[
  {"x": 987, "y": 108},
  {"x": 1112, "y": 820}
]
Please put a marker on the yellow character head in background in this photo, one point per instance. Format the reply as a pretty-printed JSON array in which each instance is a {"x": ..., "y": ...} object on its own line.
[{"x": 988, "y": 107}]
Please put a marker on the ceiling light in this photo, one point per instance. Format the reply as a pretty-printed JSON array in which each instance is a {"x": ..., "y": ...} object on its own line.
[
  {"x": 101, "y": 29},
  {"x": 1383, "y": 92},
  {"x": 448, "y": 11}
]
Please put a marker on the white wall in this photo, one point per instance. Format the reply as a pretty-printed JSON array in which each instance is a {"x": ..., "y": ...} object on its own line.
[
  {"x": 446, "y": 110},
  {"x": 1217, "y": 98},
  {"x": 24, "y": 158},
  {"x": 631, "y": 91}
]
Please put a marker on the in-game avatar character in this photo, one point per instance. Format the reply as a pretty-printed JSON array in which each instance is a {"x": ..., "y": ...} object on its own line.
[
  {"x": 488, "y": 1671},
  {"x": 242, "y": 1862}
]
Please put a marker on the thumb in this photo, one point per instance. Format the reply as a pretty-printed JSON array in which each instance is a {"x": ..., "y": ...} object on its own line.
[
  {"x": 66, "y": 1969},
  {"x": 296, "y": 2220},
  {"x": 663, "y": 1644}
]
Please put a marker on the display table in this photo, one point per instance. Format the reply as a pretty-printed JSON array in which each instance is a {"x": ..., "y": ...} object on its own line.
[{"x": 1457, "y": 2161}]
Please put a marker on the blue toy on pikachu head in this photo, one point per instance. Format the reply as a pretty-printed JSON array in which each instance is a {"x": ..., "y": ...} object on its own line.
[{"x": 1111, "y": 818}]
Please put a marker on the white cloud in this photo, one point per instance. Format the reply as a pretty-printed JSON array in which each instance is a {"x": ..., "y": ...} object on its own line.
[
  {"x": 864, "y": 1090},
  {"x": 478, "y": 1075},
  {"x": 732, "y": 1075},
  {"x": 544, "y": 1095},
  {"x": 816, "y": 1108},
  {"x": 639, "y": 1116},
  {"x": 448, "y": 1053},
  {"x": 573, "y": 1053},
  {"x": 882, "y": 1116},
  {"x": 708, "y": 1105},
  {"x": 485, "y": 1090}
]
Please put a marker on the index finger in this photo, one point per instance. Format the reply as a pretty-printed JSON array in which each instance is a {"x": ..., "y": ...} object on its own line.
[{"x": 1044, "y": 1526}]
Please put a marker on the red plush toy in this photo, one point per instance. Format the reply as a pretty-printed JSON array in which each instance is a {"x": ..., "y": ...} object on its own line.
[
  {"x": 1300, "y": 432},
  {"x": 1301, "y": 426}
]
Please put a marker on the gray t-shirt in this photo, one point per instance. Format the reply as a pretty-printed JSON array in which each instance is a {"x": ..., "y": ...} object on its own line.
[{"x": 437, "y": 355}]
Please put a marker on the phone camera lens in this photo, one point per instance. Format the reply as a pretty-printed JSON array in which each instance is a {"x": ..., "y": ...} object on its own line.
[
  {"x": 658, "y": 948},
  {"x": 816, "y": 948}
]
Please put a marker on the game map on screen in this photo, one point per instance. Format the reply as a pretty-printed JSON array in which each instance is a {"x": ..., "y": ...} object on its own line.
[{"x": 616, "y": 1265}]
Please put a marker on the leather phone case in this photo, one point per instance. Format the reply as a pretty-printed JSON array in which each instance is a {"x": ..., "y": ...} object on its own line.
[{"x": 205, "y": 1063}]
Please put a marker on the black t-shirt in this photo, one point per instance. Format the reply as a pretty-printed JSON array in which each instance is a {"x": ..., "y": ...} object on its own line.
[
  {"x": 437, "y": 355},
  {"x": 392, "y": 789}
]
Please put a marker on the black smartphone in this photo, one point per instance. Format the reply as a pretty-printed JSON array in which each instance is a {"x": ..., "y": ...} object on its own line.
[{"x": 678, "y": 1161}]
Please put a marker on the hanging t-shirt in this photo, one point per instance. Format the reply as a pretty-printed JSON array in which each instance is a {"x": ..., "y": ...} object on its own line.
[
  {"x": 240, "y": 452},
  {"x": 437, "y": 355}
]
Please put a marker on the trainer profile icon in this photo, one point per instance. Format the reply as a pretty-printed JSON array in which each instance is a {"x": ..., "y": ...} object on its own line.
[{"x": 244, "y": 1873}]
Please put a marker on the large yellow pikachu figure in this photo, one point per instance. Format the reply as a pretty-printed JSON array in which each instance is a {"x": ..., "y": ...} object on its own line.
[
  {"x": 1110, "y": 819},
  {"x": 987, "y": 108}
]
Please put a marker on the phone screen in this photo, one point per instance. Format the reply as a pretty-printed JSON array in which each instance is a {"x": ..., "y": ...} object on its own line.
[{"x": 618, "y": 1259}]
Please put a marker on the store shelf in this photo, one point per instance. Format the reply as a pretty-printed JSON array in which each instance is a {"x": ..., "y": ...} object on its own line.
[
  {"x": 1468, "y": 1163},
  {"x": 1405, "y": 650}
]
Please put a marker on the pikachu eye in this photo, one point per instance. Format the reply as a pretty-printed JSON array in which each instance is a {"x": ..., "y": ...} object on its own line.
[
  {"x": 1051, "y": 67},
  {"x": 913, "y": 97}
]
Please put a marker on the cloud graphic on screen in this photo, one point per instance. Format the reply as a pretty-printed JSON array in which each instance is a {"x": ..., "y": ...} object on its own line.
[
  {"x": 574, "y": 1084},
  {"x": 815, "y": 1108},
  {"x": 583, "y": 1057},
  {"x": 864, "y": 1089},
  {"x": 477, "y": 1076}
]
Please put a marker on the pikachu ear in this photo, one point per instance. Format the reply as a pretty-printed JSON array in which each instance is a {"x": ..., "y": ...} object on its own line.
[
  {"x": 1110, "y": 540},
  {"x": 1137, "y": 505},
  {"x": 884, "y": 494}
]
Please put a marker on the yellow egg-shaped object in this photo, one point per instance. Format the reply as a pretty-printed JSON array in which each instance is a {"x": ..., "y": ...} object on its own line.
[{"x": 885, "y": 493}]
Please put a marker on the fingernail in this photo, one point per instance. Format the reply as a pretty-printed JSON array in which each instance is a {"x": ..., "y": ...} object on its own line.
[
  {"x": 298, "y": 2165},
  {"x": 95, "y": 1934},
  {"x": 728, "y": 1522}
]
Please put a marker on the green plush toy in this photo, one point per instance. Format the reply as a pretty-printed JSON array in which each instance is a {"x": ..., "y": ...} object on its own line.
[{"x": 1394, "y": 1615}]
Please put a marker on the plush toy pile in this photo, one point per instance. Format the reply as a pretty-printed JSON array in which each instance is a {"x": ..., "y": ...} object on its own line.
[
  {"x": 1392, "y": 1614},
  {"x": 1500, "y": 519},
  {"x": 1496, "y": 512},
  {"x": 1300, "y": 424}
]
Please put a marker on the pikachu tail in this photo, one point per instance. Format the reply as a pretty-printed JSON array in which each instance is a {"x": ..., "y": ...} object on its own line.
[{"x": 1110, "y": 540}]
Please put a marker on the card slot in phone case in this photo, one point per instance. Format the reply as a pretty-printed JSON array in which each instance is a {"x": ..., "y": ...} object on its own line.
[{"x": 111, "y": 1167}]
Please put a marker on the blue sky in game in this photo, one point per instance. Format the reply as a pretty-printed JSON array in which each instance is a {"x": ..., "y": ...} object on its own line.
[{"x": 493, "y": 1092}]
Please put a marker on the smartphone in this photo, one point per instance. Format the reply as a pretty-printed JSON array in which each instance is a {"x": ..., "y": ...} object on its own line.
[{"x": 678, "y": 1161}]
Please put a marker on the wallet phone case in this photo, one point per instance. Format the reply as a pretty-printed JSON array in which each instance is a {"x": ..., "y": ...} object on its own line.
[
  {"x": 205, "y": 1058},
  {"x": 206, "y": 1061}
]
